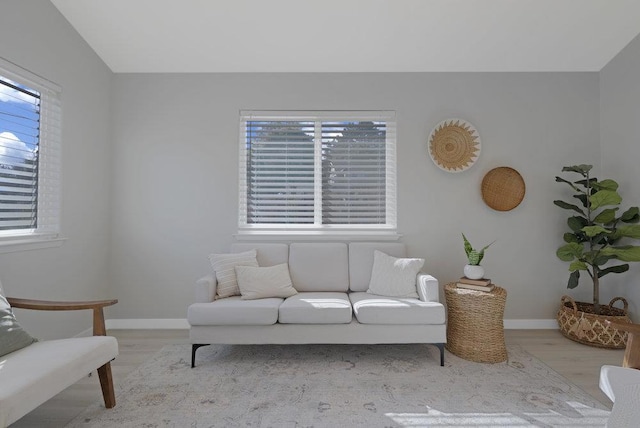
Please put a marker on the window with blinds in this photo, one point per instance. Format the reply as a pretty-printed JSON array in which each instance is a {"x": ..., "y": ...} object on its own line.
[
  {"x": 29, "y": 156},
  {"x": 317, "y": 171}
]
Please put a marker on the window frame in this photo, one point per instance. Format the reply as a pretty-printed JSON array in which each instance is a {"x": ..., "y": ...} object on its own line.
[
  {"x": 48, "y": 230},
  {"x": 317, "y": 230}
]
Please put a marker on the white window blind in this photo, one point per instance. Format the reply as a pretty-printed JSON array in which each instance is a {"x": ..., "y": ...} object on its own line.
[
  {"x": 30, "y": 118},
  {"x": 317, "y": 171}
]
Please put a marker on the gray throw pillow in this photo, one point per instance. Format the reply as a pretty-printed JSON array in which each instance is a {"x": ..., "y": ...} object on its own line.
[{"x": 12, "y": 336}]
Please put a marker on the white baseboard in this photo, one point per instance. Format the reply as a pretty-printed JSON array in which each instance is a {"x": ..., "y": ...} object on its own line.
[{"x": 182, "y": 324}]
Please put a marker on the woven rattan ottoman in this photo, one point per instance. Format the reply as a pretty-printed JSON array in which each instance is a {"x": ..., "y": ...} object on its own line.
[{"x": 475, "y": 329}]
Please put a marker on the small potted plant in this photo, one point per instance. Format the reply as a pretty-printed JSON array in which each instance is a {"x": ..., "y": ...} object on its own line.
[
  {"x": 473, "y": 270},
  {"x": 593, "y": 242}
]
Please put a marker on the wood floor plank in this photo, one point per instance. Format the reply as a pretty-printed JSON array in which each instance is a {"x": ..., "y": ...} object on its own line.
[{"x": 578, "y": 363}]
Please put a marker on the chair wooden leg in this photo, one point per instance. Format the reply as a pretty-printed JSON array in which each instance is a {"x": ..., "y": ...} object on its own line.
[{"x": 106, "y": 383}]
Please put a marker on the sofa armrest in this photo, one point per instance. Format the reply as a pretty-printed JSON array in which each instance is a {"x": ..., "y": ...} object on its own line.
[
  {"x": 205, "y": 289},
  {"x": 428, "y": 288}
]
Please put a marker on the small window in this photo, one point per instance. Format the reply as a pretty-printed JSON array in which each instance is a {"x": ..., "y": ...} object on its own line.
[
  {"x": 29, "y": 156},
  {"x": 317, "y": 172}
]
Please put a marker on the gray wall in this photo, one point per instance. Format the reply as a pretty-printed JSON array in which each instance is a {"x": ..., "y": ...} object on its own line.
[
  {"x": 150, "y": 190},
  {"x": 35, "y": 36},
  {"x": 175, "y": 141},
  {"x": 620, "y": 119}
]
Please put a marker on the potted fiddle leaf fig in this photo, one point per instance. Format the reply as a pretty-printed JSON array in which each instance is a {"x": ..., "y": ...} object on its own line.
[{"x": 597, "y": 244}]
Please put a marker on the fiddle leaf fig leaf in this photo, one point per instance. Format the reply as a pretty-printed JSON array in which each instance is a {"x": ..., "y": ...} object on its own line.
[
  {"x": 570, "y": 237},
  {"x": 573, "y": 279},
  {"x": 577, "y": 265},
  {"x": 587, "y": 183},
  {"x": 583, "y": 198},
  {"x": 613, "y": 269},
  {"x": 562, "y": 180},
  {"x": 632, "y": 215},
  {"x": 606, "y": 216},
  {"x": 567, "y": 206},
  {"x": 603, "y": 198},
  {"x": 629, "y": 231},
  {"x": 592, "y": 231},
  {"x": 600, "y": 259},
  {"x": 576, "y": 223},
  {"x": 580, "y": 169},
  {"x": 605, "y": 185},
  {"x": 570, "y": 252},
  {"x": 627, "y": 253}
]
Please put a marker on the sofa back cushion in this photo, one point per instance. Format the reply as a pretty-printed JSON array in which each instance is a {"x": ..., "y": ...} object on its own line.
[
  {"x": 361, "y": 260},
  {"x": 269, "y": 254},
  {"x": 319, "y": 266}
]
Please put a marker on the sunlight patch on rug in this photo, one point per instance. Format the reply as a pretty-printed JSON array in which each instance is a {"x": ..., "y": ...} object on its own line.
[{"x": 342, "y": 386}]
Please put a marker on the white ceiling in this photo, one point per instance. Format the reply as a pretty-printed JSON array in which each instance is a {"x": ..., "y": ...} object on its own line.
[{"x": 354, "y": 35}]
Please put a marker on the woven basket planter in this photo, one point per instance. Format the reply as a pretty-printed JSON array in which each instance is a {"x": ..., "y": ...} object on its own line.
[{"x": 578, "y": 322}]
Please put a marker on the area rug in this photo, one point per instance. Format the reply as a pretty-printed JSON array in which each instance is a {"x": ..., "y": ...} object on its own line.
[{"x": 342, "y": 386}]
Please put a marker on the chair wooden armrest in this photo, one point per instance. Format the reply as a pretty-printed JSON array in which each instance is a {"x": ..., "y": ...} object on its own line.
[
  {"x": 99, "y": 329},
  {"x": 49, "y": 305},
  {"x": 632, "y": 351}
]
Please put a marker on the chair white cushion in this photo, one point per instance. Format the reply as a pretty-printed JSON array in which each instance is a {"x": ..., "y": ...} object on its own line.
[
  {"x": 371, "y": 309},
  {"x": 224, "y": 267},
  {"x": 316, "y": 308},
  {"x": 235, "y": 311},
  {"x": 361, "y": 261},
  {"x": 32, "y": 375},
  {"x": 622, "y": 386},
  {"x": 321, "y": 266},
  {"x": 263, "y": 282},
  {"x": 394, "y": 277}
]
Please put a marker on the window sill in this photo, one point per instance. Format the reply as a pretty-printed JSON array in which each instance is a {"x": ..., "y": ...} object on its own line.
[
  {"x": 273, "y": 235},
  {"x": 17, "y": 244}
]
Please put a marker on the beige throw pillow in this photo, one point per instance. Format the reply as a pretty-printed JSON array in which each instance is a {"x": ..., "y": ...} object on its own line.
[
  {"x": 263, "y": 282},
  {"x": 394, "y": 277},
  {"x": 223, "y": 265}
]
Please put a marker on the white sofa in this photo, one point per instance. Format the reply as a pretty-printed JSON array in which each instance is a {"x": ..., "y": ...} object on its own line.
[
  {"x": 32, "y": 375},
  {"x": 331, "y": 307}
]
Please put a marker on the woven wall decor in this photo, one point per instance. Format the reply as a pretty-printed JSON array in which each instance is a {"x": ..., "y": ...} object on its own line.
[
  {"x": 454, "y": 145},
  {"x": 503, "y": 188}
]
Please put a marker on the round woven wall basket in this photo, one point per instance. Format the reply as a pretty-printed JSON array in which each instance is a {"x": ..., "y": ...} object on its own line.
[
  {"x": 454, "y": 145},
  {"x": 578, "y": 324},
  {"x": 503, "y": 188}
]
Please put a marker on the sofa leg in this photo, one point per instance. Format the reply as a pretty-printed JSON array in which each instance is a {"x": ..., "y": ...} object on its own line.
[
  {"x": 441, "y": 348},
  {"x": 194, "y": 348},
  {"x": 106, "y": 383}
]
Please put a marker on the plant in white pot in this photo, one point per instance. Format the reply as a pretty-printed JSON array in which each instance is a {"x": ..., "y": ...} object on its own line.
[
  {"x": 597, "y": 230},
  {"x": 473, "y": 270}
]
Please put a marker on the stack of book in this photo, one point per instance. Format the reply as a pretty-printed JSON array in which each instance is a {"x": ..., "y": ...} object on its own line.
[{"x": 482, "y": 284}]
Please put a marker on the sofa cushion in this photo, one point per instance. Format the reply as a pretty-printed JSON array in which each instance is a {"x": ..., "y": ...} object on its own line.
[
  {"x": 235, "y": 311},
  {"x": 263, "y": 282},
  {"x": 394, "y": 277},
  {"x": 361, "y": 261},
  {"x": 12, "y": 335},
  {"x": 319, "y": 266},
  {"x": 269, "y": 254},
  {"x": 316, "y": 308},
  {"x": 371, "y": 309},
  {"x": 223, "y": 265}
]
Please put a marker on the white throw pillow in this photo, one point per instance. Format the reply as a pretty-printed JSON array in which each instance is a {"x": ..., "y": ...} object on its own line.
[
  {"x": 223, "y": 266},
  {"x": 394, "y": 277},
  {"x": 263, "y": 282}
]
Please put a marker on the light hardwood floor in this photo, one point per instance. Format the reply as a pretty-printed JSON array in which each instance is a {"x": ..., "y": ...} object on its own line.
[{"x": 578, "y": 363}]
